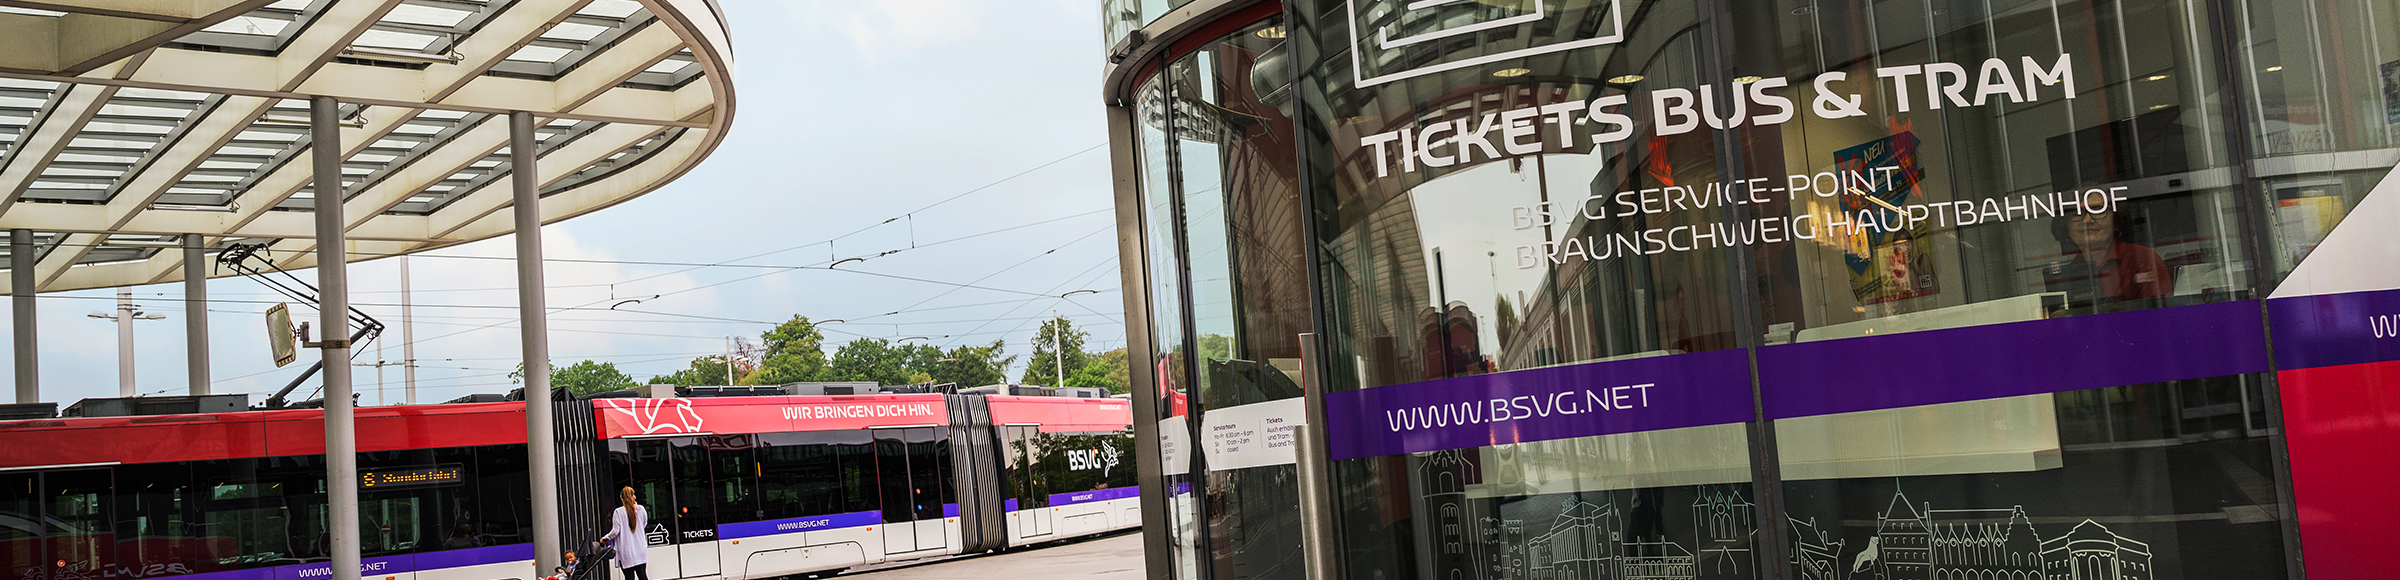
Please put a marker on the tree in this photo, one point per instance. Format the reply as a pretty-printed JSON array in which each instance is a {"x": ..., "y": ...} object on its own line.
[
  {"x": 972, "y": 366},
  {"x": 868, "y": 359},
  {"x": 1058, "y": 335},
  {"x": 583, "y": 379},
  {"x": 1108, "y": 370},
  {"x": 795, "y": 352},
  {"x": 704, "y": 371}
]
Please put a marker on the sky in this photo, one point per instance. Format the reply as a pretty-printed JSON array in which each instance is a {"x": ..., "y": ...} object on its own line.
[{"x": 848, "y": 115}]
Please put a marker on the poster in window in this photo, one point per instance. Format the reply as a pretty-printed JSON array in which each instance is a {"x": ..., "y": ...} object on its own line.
[
  {"x": 1894, "y": 264},
  {"x": 2391, "y": 92}
]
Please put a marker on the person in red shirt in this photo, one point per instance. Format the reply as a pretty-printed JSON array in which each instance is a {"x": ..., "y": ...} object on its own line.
[{"x": 2096, "y": 257}]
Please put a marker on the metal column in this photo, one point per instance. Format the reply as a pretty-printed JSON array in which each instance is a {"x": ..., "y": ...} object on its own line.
[
  {"x": 541, "y": 447},
  {"x": 195, "y": 311},
  {"x": 333, "y": 286},
  {"x": 124, "y": 321},
  {"x": 20, "y": 274},
  {"x": 408, "y": 338}
]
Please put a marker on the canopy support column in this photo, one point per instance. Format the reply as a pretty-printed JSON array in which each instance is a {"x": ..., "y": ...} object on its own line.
[
  {"x": 195, "y": 311},
  {"x": 20, "y": 274},
  {"x": 333, "y": 309},
  {"x": 541, "y": 447}
]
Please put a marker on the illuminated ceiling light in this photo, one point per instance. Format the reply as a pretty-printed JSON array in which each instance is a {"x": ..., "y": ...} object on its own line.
[
  {"x": 2155, "y": 78},
  {"x": 1512, "y": 72},
  {"x": 1271, "y": 32},
  {"x": 403, "y": 55},
  {"x": 1747, "y": 79},
  {"x": 2276, "y": 68},
  {"x": 2161, "y": 106},
  {"x": 1626, "y": 79}
]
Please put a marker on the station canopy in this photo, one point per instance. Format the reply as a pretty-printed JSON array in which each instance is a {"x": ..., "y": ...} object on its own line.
[{"x": 125, "y": 124}]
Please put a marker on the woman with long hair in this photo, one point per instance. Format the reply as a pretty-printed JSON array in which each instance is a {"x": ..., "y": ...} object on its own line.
[{"x": 625, "y": 528}]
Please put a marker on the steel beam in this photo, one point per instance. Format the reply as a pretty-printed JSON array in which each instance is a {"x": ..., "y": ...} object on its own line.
[
  {"x": 541, "y": 447},
  {"x": 195, "y": 311},
  {"x": 333, "y": 285},
  {"x": 21, "y": 258}
]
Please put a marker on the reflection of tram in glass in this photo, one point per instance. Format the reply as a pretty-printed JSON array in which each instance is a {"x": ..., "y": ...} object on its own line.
[
  {"x": 739, "y": 487},
  {"x": 752, "y": 487}
]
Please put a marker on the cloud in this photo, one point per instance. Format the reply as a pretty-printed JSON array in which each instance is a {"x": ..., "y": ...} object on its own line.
[{"x": 879, "y": 30}]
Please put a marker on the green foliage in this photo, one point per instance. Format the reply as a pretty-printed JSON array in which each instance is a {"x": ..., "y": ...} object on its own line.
[
  {"x": 1094, "y": 376},
  {"x": 1058, "y": 335},
  {"x": 972, "y": 366},
  {"x": 795, "y": 352},
  {"x": 582, "y": 379},
  {"x": 704, "y": 371},
  {"x": 868, "y": 359}
]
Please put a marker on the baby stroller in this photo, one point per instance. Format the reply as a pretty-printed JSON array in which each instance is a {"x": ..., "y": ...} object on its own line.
[{"x": 591, "y": 565}]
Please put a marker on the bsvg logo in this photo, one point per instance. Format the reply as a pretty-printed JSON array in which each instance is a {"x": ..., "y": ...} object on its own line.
[{"x": 1102, "y": 458}]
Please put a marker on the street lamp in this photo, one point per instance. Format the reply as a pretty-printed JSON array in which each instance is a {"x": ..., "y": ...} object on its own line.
[{"x": 126, "y": 313}]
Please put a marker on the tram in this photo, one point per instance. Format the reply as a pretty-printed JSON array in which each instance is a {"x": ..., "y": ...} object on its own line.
[{"x": 736, "y": 487}]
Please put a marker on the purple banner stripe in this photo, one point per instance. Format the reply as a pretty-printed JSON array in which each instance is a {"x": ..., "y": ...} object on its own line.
[
  {"x": 379, "y": 566},
  {"x": 797, "y": 525},
  {"x": 2007, "y": 360},
  {"x": 1059, "y": 499},
  {"x": 1582, "y": 400},
  {"x": 2336, "y": 329}
]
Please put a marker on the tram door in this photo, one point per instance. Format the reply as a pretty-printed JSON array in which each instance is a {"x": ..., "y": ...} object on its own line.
[
  {"x": 909, "y": 471},
  {"x": 652, "y": 479},
  {"x": 55, "y": 525},
  {"x": 695, "y": 509},
  {"x": 1032, "y": 485}
]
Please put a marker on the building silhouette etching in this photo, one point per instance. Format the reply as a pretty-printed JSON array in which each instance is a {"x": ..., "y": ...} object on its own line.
[
  {"x": 1582, "y": 544},
  {"x": 1724, "y": 524},
  {"x": 2092, "y": 552},
  {"x": 1817, "y": 555},
  {"x": 1916, "y": 542},
  {"x": 1443, "y": 477}
]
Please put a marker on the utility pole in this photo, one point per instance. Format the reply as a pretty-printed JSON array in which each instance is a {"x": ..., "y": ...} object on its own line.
[
  {"x": 379, "y": 364},
  {"x": 1058, "y": 346},
  {"x": 126, "y": 313},
  {"x": 408, "y": 339}
]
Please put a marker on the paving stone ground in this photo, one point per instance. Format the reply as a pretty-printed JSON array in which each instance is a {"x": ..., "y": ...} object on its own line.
[{"x": 1117, "y": 557}]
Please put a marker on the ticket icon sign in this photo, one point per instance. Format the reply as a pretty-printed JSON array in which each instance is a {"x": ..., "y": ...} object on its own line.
[{"x": 1399, "y": 39}]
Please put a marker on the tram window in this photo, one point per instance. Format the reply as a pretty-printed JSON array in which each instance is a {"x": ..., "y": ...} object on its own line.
[
  {"x": 858, "y": 476},
  {"x": 155, "y": 503},
  {"x": 243, "y": 517},
  {"x": 500, "y": 484},
  {"x": 695, "y": 513},
  {"x": 76, "y": 523},
  {"x": 941, "y": 453},
  {"x": 736, "y": 478},
  {"x": 20, "y": 549},
  {"x": 800, "y": 479},
  {"x": 925, "y": 472}
]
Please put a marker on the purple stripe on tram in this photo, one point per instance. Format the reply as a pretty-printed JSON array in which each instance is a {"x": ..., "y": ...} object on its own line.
[
  {"x": 1580, "y": 400},
  {"x": 1059, "y": 499},
  {"x": 797, "y": 525},
  {"x": 378, "y": 566},
  {"x": 2336, "y": 329},
  {"x": 2013, "y": 359}
]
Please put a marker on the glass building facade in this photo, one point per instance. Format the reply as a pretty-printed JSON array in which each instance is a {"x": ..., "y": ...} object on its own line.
[{"x": 1835, "y": 289}]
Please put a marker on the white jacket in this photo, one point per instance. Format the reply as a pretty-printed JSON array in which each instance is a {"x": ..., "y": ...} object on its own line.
[{"x": 633, "y": 548}]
